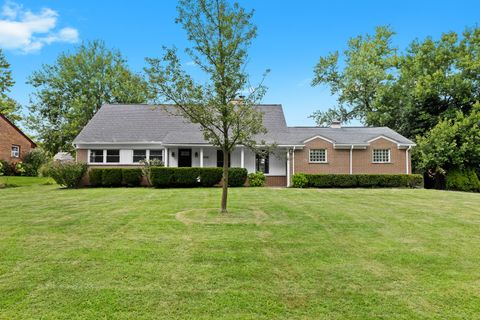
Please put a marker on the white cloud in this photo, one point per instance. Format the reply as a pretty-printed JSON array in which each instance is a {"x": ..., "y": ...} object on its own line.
[{"x": 23, "y": 30}]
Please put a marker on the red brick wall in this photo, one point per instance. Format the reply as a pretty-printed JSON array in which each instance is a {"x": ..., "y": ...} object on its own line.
[
  {"x": 338, "y": 160},
  {"x": 10, "y": 136},
  {"x": 276, "y": 181},
  {"x": 363, "y": 159},
  {"x": 81, "y": 156}
]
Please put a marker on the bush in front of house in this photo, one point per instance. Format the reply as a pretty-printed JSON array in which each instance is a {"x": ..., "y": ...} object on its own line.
[
  {"x": 33, "y": 160},
  {"x": 463, "y": 180},
  {"x": 186, "y": 177},
  {"x": 132, "y": 177},
  {"x": 210, "y": 176},
  {"x": 112, "y": 177},
  {"x": 299, "y": 180},
  {"x": 162, "y": 177},
  {"x": 237, "y": 177},
  {"x": 256, "y": 179},
  {"x": 95, "y": 177},
  {"x": 7, "y": 169},
  {"x": 363, "y": 180},
  {"x": 68, "y": 175}
]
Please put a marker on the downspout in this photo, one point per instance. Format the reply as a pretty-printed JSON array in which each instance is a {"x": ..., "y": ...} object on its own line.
[
  {"x": 293, "y": 161},
  {"x": 406, "y": 159},
  {"x": 351, "y": 157}
]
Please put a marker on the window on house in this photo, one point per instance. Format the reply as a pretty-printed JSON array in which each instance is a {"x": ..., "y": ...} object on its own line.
[
  {"x": 220, "y": 159},
  {"x": 96, "y": 156},
  {"x": 15, "y": 151},
  {"x": 318, "y": 155},
  {"x": 139, "y": 155},
  {"x": 113, "y": 156},
  {"x": 156, "y": 155},
  {"x": 381, "y": 155},
  {"x": 262, "y": 163}
]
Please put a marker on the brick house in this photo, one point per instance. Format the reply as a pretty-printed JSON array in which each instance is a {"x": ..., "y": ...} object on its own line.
[
  {"x": 123, "y": 135},
  {"x": 14, "y": 144}
]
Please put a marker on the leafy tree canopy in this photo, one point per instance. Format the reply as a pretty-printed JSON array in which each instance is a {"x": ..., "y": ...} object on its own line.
[
  {"x": 70, "y": 91},
  {"x": 8, "y": 107},
  {"x": 452, "y": 144},
  {"x": 409, "y": 91}
]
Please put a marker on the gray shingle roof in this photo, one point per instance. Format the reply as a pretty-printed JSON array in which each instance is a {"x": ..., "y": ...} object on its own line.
[
  {"x": 154, "y": 123},
  {"x": 343, "y": 135}
]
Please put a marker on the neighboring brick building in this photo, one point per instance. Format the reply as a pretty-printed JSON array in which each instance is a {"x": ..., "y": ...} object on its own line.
[
  {"x": 123, "y": 135},
  {"x": 14, "y": 144}
]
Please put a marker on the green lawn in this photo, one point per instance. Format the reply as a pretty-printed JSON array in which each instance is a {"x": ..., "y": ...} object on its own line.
[
  {"x": 12, "y": 182},
  {"x": 280, "y": 254}
]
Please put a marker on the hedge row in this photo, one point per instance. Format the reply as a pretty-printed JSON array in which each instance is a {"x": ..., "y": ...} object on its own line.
[
  {"x": 162, "y": 177},
  {"x": 115, "y": 177},
  {"x": 301, "y": 180}
]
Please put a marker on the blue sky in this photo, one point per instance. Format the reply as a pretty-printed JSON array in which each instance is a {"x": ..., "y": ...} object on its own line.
[{"x": 292, "y": 35}]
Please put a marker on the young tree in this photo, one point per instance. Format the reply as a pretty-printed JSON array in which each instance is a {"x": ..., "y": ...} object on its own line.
[
  {"x": 221, "y": 34},
  {"x": 8, "y": 107},
  {"x": 69, "y": 92}
]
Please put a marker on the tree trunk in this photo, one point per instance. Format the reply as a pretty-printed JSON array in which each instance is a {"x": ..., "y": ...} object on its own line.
[{"x": 225, "y": 182}]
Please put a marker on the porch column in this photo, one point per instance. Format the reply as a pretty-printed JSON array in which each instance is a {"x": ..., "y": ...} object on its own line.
[
  {"x": 242, "y": 157},
  {"x": 288, "y": 167},
  {"x": 351, "y": 162},
  {"x": 201, "y": 157},
  {"x": 167, "y": 156}
]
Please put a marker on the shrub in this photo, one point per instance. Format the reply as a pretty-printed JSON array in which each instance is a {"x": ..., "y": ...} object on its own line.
[
  {"x": 162, "y": 177},
  {"x": 132, "y": 177},
  {"x": 299, "y": 180},
  {"x": 237, "y": 177},
  {"x": 95, "y": 177},
  {"x": 147, "y": 168},
  {"x": 186, "y": 177},
  {"x": 112, "y": 177},
  {"x": 7, "y": 168},
  {"x": 210, "y": 176},
  {"x": 20, "y": 169},
  {"x": 256, "y": 179},
  {"x": 463, "y": 180},
  {"x": 67, "y": 174},
  {"x": 34, "y": 160},
  {"x": 363, "y": 180}
]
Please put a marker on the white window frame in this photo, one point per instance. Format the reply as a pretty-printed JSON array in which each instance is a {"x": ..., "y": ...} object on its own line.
[
  {"x": 389, "y": 156},
  {"x": 147, "y": 155},
  {"x": 162, "y": 154},
  {"x": 105, "y": 156},
  {"x": 15, "y": 153},
  {"x": 310, "y": 156},
  {"x": 104, "y": 152}
]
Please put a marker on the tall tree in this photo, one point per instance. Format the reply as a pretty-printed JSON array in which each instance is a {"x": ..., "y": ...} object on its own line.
[
  {"x": 409, "y": 91},
  {"x": 221, "y": 34},
  {"x": 436, "y": 78},
  {"x": 369, "y": 61},
  {"x": 8, "y": 107},
  {"x": 69, "y": 92}
]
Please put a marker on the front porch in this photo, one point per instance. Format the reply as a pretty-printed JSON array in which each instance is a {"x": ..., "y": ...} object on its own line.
[{"x": 274, "y": 165}]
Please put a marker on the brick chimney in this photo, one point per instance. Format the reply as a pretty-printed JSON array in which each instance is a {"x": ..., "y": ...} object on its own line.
[
  {"x": 238, "y": 100},
  {"x": 336, "y": 124}
]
